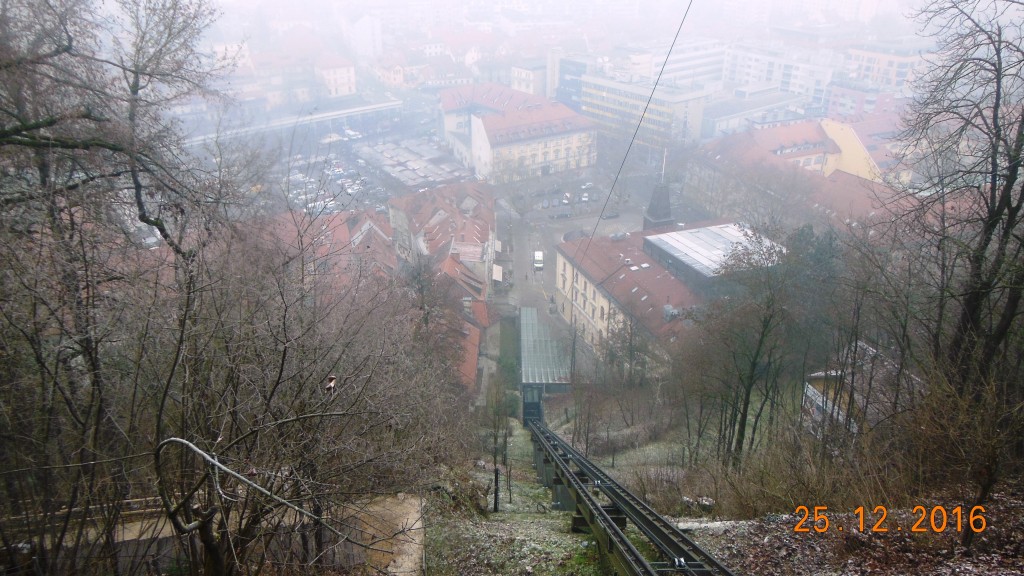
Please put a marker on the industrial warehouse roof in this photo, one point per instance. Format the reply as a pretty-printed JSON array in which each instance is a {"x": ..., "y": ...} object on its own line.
[
  {"x": 704, "y": 249},
  {"x": 544, "y": 359}
]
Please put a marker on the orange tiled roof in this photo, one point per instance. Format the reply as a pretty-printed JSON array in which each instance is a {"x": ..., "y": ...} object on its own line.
[
  {"x": 463, "y": 212},
  {"x": 848, "y": 197},
  {"x": 464, "y": 277},
  {"x": 510, "y": 115},
  {"x": 642, "y": 292},
  {"x": 481, "y": 313},
  {"x": 492, "y": 96},
  {"x": 778, "y": 143},
  {"x": 876, "y": 132},
  {"x": 541, "y": 121}
]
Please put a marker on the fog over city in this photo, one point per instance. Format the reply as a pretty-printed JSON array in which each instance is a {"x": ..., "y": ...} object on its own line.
[{"x": 495, "y": 287}]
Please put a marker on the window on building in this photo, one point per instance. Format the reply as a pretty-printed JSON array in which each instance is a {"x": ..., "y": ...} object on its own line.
[{"x": 602, "y": 313}]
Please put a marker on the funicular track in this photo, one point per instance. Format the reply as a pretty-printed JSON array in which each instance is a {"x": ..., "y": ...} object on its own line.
[{"x": 577, "y": 482}]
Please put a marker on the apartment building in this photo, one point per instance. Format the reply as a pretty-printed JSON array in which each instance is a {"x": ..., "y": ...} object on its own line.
[
  {"x": 673, "y": 115},
  {"x": 605, "y": 283},
  {"x": 797, "y": 72},
  {"x": 888, "y": 65},
  {"x": 337, "y": 76},
  {"x": 530, "y": 78},
  {"x": 506, "y": 135}
]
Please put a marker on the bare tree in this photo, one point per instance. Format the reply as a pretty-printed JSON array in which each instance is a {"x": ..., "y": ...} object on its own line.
[
  {"x": 966, "y": 138},
  {"x": 969, "y": 113},
  {"x": 159, "y": 344}
]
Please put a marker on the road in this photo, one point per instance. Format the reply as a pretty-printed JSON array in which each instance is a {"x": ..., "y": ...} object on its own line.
[{"x": 536, "y": 230}]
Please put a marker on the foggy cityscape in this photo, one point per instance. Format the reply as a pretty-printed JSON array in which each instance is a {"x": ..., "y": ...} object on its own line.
[{"x": 517, "y": 287}]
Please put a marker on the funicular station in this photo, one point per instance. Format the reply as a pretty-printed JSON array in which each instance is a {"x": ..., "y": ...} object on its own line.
[{"x": 544, "y": 362}]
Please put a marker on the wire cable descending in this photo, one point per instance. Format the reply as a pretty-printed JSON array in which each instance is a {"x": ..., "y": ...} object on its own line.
[
  {"x": 636, "y": 131},
  {"x": 622, "y": 164}
]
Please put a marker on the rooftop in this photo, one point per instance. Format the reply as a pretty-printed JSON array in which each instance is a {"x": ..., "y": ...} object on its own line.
[
  {"x": 510, "y": 115},
  {"x": 637, "y": 283},
  {"x": 726, "y": 108},
  {"x": 544, "y": 360},
  {"x": 775, "y": 144},
  {"x": 495, "y": 97},
  {"x": 470, "y": 360},
  {"x": 851, "y": 198},
  {"x": 462, "y": 213},
  {"x": 543, "y": 120},
  {"x": 705, "y": 250}
]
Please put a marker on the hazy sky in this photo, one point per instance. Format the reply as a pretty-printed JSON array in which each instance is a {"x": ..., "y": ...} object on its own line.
[{"x": 722, "y": 16}]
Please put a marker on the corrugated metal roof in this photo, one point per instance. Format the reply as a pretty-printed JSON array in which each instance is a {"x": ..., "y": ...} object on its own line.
[
  {"x": 544, "y": 360},
  {"x": 703, "y": 249}
]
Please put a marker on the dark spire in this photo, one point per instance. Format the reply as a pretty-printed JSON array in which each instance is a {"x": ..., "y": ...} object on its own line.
[{"x": 659, "y": 211}]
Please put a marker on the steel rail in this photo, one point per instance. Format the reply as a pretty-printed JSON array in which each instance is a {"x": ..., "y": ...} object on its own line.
[
  {"x": 684, "y": 555},
  {"x": 623, "y": 548}
]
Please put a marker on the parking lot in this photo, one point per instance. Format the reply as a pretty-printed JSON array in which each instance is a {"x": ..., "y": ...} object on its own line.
[{"x": 416, "y": 163}]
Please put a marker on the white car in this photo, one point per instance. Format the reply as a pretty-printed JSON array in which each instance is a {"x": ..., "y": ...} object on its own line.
[{"x": 587, "y": 186}]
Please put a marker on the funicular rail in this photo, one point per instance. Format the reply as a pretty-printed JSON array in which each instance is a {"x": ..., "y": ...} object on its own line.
[
  {"x": 683, "y": 556},
  {"x": 613, "y": 541}
]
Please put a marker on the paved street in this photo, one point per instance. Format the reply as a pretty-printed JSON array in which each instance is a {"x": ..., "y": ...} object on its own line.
[{"x": 536, "y": 230}]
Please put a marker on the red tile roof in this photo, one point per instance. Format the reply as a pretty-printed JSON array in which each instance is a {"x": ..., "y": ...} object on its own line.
[
  {"x": 493, "y": 96},
  {"x": 343, "y": 240},
  {"x": 844, "y": 196},
  {"x": 877, "y": 131},
  {"x": 472, "y": 285},
  {"x": 462, "y": 212},
  {"x": 642, "y": 292},
  {"x": 775, "y": 144},
  {"x": 545, "y": 120},
  {"x": 481, "y": 313},
  {"x": 511, "y": 116}
]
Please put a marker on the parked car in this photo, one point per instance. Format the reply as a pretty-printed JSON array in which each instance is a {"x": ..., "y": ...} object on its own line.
[
  {"x": 585, "y": 197},
  {"x": 545, "y": 203},
  {"x": 610, "y": 215}
]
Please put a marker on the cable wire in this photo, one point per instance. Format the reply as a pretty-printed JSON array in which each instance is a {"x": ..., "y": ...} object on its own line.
[
  {"x": 622, "y": 165},
  {"x": 643, "y": 115}
]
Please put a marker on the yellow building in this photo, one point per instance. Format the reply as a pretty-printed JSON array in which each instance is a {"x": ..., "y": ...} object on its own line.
[{"x": 853, "y": 157}]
